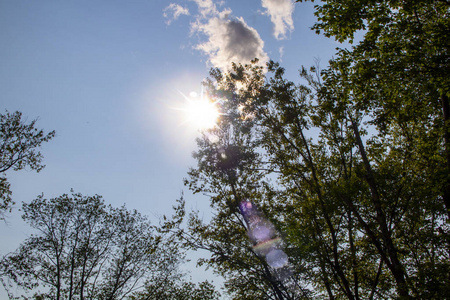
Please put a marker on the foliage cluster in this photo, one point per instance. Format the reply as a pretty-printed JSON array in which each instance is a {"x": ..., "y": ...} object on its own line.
[
  {"x": 18, "y": 149},
  {"x": 83, "y": 249}
]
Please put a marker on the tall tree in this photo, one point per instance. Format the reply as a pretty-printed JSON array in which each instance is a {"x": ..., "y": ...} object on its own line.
[
  {"x": 397, "y": 77},
  {"x": 19, "y": 144},
  {"x": 361, "y": 215},
  {"x": 361, "y": 154},
  {"x": 232, "y": 168},
  {"x": 399, "y": 70},
  {"x": 83, "y": 249}
]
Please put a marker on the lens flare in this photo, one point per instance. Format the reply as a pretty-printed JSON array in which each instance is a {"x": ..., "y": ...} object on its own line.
[
  {"x": 276, "y": 258},
  {"x": 262, "y": 233}
]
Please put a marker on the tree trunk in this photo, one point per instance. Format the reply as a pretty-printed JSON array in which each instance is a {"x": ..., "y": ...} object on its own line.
[
  {"x": 395, "y": 265},
  {"x": 353, "y": 254},
  {"x": 446, "y": 115}
]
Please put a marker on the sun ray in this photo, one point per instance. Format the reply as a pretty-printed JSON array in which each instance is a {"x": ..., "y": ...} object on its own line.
[{"x": 199, "y": 112}]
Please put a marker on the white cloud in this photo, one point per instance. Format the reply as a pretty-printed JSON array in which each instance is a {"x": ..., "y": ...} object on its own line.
[
  {"x": 280, "y": 12},
  {"x": 228, "y": 39},
  {"x": 173, "y": 11},
  {"x": 225, "y": 39},
  {"x": 206, "y": 7}
]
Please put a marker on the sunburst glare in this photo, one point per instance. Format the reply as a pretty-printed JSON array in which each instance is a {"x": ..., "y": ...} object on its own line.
[{"x": 199, "y": 111}]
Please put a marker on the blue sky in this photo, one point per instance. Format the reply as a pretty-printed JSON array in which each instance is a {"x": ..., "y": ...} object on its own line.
[{"x": 105, "y": 75}]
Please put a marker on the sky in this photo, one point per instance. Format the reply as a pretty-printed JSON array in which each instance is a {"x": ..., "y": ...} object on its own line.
[{"x": 106, "y": 75}]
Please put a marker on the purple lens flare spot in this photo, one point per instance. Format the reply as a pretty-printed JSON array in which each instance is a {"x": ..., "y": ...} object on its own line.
[
  {"x": 264, "y": 236},
  {"x": 276, "y": 258},
  {"x": 262, "y": 232}
]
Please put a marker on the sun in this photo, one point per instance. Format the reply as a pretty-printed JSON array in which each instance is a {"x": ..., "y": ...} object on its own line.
[{"x": 200, "y": 111}]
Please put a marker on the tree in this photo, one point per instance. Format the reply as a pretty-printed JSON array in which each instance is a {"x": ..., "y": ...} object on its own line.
[
  {"x": 18, "y": 149},
  {"x": 399, "y": 70},
  {"x": 360, "y": 155},
  {"x": 231, "y": 169},
  {"x": 83, "y": 249},
  {"x": 361, "y": 213},
  {"x": 397, "y": 75}
]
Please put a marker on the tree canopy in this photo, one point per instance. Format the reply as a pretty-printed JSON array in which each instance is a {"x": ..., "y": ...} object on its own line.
[
  {"x": 352, "y": 166},
  {"x": 84, "y": 249},
  {"x": 19, "y": 144}
]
